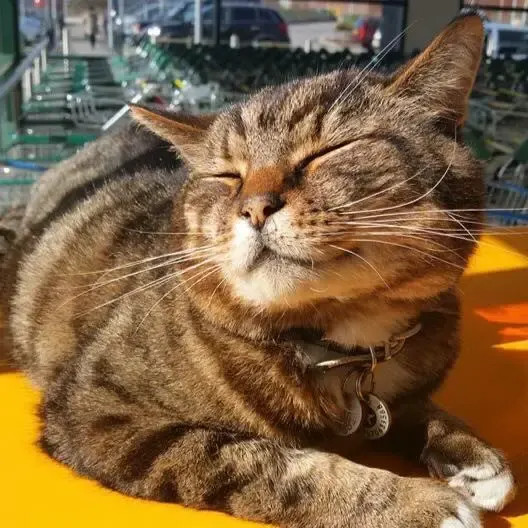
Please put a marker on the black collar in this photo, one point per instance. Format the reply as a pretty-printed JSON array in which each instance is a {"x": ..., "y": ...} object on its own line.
[{"x": 324, "y": 355}]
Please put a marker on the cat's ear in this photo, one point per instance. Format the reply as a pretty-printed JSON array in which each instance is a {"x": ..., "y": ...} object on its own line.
[
  {"x": 185, "y": 131},
  {"x": 441, "y": 78}
]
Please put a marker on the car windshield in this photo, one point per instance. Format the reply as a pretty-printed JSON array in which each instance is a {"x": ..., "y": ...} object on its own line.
[
  {"x": 513, "y": 41},
  {"x": 243, "y": 14},
  {"x": 147, "y": 13},
  {"x": 176, "y": 11},
  {"x": 186, "y": 15},
  {"x": 268, "y": 16}
]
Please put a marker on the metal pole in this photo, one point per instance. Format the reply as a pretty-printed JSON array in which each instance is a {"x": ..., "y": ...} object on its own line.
[
  {"x": 44, "y": 59},
  {"x": 26, "y": 86},
  {"x": 216, "y": 22},
  {"x": 197, "y": 21},
  {"x": 65, "y": 42},
  {"x": 109, "y": 25},
  {"x": 22, "y": 8},
  {"x": 36, "y": 71},
  {"x": 121, "y": 9}
]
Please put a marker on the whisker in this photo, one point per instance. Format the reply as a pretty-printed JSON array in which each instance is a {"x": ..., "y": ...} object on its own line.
[
  {"x": 451, "y": 217},
  {"x": 152, "y": 284},
  {"x": 369, "y": 67},
  {"x": 382, "y": 191},
  {"x": 427, "y": 193},
  {"x": 130, "y": 275},
  {"x": 341, "y": 234},
  {"x": 98, "y": 284},
  {"x": 146, "y": 260},
  {"x": 215, "y": 290},
  {"x": 439, "y": 211},
  {"x": 175, "y": 233},
  {"x": 506, "y": 231},
  {"x": 459, "y": 237},
  {"x": 407, "y": 247},
  {"x": 364, "y": 260},
  {"x": 412, "y": 229},
  {"x": 170, "y": 262},
  {"x": 180, "y": 283}
]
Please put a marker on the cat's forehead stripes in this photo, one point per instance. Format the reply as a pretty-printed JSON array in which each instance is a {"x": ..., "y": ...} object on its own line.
[{"x": 287, "y": 123}]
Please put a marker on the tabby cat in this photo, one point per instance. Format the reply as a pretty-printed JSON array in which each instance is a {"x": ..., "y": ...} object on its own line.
[{"x": 175, "y": 314}]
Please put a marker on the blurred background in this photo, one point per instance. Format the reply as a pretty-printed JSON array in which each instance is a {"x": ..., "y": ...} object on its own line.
[{"x": 68, "y": 68}]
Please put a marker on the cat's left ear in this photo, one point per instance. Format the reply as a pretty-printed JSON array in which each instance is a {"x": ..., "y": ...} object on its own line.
[
  {"x": 441, "y": 78},
  {"x": 185, "y": 131}
]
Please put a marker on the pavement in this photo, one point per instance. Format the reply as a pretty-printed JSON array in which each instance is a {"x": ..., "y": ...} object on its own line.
[
  {"x": 80, "y": 45},
  {"x": 321, "y": 34}
]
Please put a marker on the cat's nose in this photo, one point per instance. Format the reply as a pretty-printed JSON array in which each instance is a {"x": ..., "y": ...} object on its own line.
[{"x": 258, "y": 208}]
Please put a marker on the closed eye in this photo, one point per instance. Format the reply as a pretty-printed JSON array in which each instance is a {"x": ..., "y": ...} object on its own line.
[
  {"x": 231, "y": 179},
  {"x": 228, "y": 175},
  {"x": 319, "y": 154}
]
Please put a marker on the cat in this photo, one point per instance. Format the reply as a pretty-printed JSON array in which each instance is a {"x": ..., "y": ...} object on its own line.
[{"x": 175, "y": 311}]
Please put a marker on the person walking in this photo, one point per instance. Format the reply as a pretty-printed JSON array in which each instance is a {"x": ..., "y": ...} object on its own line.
[{"x": 91, "y": 26}]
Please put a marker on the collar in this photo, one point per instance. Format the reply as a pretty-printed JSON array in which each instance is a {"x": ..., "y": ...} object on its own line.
[{"x": 326, "y": 355}]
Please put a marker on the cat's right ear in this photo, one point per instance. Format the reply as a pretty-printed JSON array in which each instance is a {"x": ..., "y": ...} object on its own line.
[
  {"x": 185, "y": 131},
  {"x": 441, "y": 78}
]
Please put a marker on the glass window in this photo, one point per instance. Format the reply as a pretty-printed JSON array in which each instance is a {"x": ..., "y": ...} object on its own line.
[
  {"x": 207, "y": 16},
  {"x": 243, "y": 14},
  {"x": 268, "y": 16},
  {"x": 187, "y": 14},
  {"x": 342, "y": 25}
]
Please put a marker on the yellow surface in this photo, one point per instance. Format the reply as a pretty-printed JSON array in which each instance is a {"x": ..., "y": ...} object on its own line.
[{"x": 488, "y": 388}]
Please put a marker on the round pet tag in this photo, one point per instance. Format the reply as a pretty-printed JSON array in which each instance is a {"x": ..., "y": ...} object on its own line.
[
  {"x": 377, "y": 417},
  {"x": 353, "y": 416}
]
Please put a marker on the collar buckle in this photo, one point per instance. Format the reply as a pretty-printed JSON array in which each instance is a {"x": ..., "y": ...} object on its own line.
[{"x": 376, "y": 354}]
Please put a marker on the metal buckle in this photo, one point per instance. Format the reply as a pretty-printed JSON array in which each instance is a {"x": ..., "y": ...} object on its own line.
[{"x": 388, "y": 350}]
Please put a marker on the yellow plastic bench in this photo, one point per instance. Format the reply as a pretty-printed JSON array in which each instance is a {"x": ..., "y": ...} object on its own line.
[{"x": 488, "y": 388}]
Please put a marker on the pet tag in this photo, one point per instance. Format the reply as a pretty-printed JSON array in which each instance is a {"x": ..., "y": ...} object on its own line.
[
  {"x": 377, "y": 417},
  {"x": 353, "y": 416}
]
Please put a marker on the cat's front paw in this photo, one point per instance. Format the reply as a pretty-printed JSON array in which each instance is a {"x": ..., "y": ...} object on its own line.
[
  {"x": 431, "y": 504},
  {"x": 472, "y": 467}
]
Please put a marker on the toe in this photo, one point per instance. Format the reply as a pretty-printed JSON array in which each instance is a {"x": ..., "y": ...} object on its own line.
[{"x": 489, "y": 493}]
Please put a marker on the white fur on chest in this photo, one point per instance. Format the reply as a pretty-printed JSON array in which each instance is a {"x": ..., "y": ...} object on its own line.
[{"x": 391, "y": 378}]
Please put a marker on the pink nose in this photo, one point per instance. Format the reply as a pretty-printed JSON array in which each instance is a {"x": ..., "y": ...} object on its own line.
[{"x": 258, "y": 208}]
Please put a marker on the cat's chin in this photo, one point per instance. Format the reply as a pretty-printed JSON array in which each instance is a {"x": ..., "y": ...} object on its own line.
[
  {"x": 276, "y": 281},
  {"x": 273, "y": 260},
  {"x": 270, "y": 279}
]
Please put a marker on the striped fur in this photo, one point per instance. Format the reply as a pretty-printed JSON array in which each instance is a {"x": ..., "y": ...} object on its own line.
[{"x": 153, "y": 300}]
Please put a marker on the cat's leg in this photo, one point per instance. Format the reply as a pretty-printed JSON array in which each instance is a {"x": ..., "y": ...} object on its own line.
[
  {"x": 135, "y": 451},
  {"x": 451, "y": 451}
]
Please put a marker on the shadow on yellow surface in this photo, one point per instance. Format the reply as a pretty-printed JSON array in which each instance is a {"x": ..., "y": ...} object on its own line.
[{"x": 488, "y": 388}]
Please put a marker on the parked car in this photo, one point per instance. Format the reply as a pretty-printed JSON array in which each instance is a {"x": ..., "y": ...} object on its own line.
[
  {"x": 504, "y": 40},
  {"x": 251, "y": 23},
  {"x": 173, "y": 14},
  {"x": 365, "y": 32}
]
